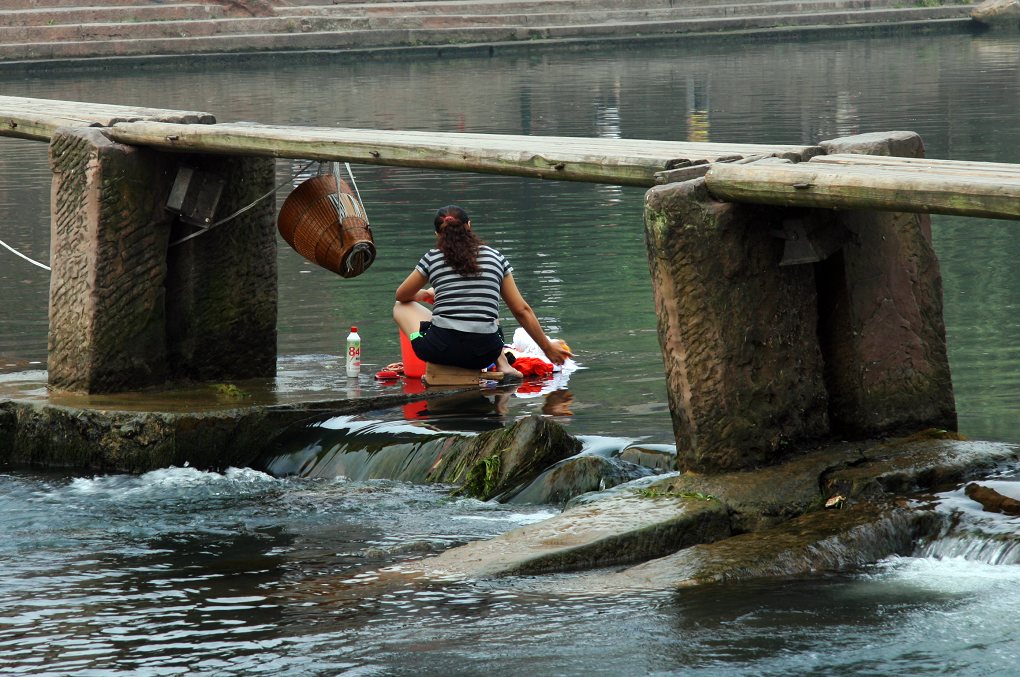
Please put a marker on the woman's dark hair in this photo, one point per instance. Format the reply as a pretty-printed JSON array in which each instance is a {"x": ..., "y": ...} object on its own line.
[{"x": 458, "y": 243}]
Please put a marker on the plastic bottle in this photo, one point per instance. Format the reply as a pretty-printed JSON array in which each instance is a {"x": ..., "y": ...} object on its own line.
[{"x": 353, "y": 353}]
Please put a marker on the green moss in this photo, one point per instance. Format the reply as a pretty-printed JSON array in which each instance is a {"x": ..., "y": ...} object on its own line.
[
  {"x": 483, "y": 478},
  {"x": 656, "y": 492},
  {"x": 229, "y": 390}
]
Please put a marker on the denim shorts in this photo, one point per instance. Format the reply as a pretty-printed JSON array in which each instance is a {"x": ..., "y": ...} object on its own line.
[{"x": 453, "y": 348}]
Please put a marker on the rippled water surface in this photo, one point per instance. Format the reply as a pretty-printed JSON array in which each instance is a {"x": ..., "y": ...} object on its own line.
[{"x": 185, "y": 572}]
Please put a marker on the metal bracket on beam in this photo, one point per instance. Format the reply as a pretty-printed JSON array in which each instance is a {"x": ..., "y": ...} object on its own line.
[
  {"x": 195, "y": 196},
  {"x": 808, "y": 240}
]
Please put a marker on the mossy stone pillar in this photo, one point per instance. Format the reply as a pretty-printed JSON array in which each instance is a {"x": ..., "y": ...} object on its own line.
[{"x": 122, "y": 315}]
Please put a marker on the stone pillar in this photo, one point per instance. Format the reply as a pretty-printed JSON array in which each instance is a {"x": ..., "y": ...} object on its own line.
[
  {"x": 761, "y": 358},
  {"x": 221, "y": 286},
  {"x": 108, "y": 243},
  {"x": 881, "y": 327},
  {"x": 738, "y": 333},
  {"x": 123, "y": 315}
]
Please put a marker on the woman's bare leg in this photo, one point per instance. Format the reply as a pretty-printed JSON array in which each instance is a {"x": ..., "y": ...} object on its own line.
[{"x": 409, "y": 316}]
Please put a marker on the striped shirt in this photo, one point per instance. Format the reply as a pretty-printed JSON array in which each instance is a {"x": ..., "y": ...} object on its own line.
[{"x": 466, "y": 303}]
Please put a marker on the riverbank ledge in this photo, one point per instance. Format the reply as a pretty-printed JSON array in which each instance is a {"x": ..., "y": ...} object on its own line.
[
  {"x": 207, "y": 426},
  {"x": 838, "y": 508},
  {"x": 60, "y": 32}
]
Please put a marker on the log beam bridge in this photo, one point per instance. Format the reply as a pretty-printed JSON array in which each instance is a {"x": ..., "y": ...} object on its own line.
[{"x": 761, "y": 358}]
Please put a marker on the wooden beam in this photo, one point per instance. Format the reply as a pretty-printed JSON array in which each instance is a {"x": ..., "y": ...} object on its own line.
[
  {"x": 598, "y": 160},
  {"x": 924, "y": 165},
  {"x": 867, "y": 186},
  {"x": 407, "y": 149},
  {"x": 615, "y": 161},
  {"x": 38, "y": 119}
]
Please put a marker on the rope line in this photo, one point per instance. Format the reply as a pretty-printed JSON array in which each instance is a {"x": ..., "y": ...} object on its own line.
[
  {"x": 242, "y": 210},
  {"x": 17, "y": 253},
  {"x": 231, "y": 217}
]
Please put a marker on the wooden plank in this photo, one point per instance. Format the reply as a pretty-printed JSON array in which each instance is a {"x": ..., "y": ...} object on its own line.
[
  {"x": 561, "y": 158},
  {"x": 37, "y": 119},
  {"x": 37, "y": 127},
  {"x": 927, "y": 165},
  {"x": 830, "y": 186},
  {"x": 599, "y": 160}
]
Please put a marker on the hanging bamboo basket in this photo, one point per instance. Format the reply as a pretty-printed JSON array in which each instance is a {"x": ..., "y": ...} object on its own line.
[{"x": 324, "y": 221}]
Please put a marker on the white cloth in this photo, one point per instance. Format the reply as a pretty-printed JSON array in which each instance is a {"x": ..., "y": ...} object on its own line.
[{"x": 524, "y": 344}]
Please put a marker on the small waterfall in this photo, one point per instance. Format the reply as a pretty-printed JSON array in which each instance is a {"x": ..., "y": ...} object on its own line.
[
  {"x": 973, "y": 534},
  {"x": 344, "y": 446},
  {"x": 975, "y": 547},
  {"x": 540, "y": 467}
]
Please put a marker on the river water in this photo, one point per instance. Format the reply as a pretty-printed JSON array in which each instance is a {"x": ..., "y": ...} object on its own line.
[{"x": 180, "y": 571}]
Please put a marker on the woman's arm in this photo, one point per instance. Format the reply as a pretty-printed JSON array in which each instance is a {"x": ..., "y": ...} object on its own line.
[
  {"x": 554, "y": 350},
  {"x": 410, "y": 288}
]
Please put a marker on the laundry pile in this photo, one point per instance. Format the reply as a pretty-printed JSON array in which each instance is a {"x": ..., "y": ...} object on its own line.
[{"x": 528, "y": 359}]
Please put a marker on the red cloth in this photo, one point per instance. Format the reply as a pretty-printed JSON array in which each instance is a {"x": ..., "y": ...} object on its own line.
[{"x": 533, "y": 366}]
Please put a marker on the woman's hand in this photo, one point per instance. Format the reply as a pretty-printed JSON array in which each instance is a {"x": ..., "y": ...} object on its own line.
[
  {"x": 557, "y": 352},
  {"x": 426, "y": 296}
]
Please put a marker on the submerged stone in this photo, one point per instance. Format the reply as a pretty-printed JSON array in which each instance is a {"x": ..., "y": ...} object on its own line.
[
  {"x": 497, "y": 462},
  {"x": 621, "y": 530},
  {"x": 830, "y": 540},
  {"x": 658, "y": 457},
  {"x": 575, "y": 476},
  {"x": 482, "y": 466},
  {"x": 776, "y": 514}
]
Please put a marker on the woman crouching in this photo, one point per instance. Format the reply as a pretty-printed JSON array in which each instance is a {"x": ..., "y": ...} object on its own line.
[{"x": 467, "y": 278}]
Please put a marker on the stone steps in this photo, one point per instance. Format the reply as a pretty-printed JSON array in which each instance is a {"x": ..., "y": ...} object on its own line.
[
  {"x": 498, "y": 7},
  {"x": 60, "y": 29},
  {"x": 104, "y": 31},
  {"x": 204, "y": 25},
  {"x": 126, "y": 14},
  {"x": 38, "y": 4}
]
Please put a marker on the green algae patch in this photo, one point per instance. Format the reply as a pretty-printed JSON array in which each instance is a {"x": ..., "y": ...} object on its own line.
[
  {"x": 655, "y": 492},
  {"x": 230, "y": 391},
  {"x": 482, "y": 478},
  {"x": 499, "y": 461}
]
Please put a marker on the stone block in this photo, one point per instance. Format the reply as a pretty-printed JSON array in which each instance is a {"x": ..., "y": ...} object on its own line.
[
  {"x": 444, "y": 375},
  {"x": 221, "y": 286},
  {"x": 761, "y": 358},
  {"x": 881, "y": 327},
  {"x": 738, "y": 332},
  {"x": 126, "y": 312},
  {"x": 109, "y": 234}
]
